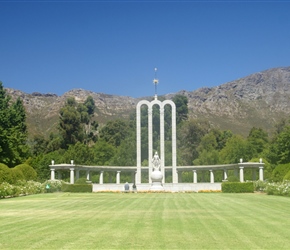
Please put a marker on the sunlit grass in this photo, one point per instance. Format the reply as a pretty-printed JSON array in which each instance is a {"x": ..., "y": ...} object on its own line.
[{"x": 145, "y": 221}]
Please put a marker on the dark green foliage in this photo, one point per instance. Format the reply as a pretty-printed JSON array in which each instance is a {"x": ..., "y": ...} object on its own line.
[
  {"x": 70, "y": 123},
  {"x": 238, "y": 187},
  {"x": 80, "y": 153},
  {"x": 81, "y": 181},
  {"x": 102, "y": 152},
  {"x": 287, "y": 176},
  {"x": 189, "y": 136},
  {"x": 13, "y": 130},
  {"x": 38, "y": 145},
  {"x": 16, "y": 175},
  {"x": 41, "y": 163},
  {"x": 280, "y": 171},
  {"x": 236, "y": 148},
  {"x": 125, "y": 154},
  {"x": 181, "y": 102},
  {"x": 28, "y": 172},
  {"x": 283, "y": 145},
  {"x": 5, "y": 175},
  {"x": 114, "y": 132},
  {"x": 233, "y": 179},
  {"x": 76, "y": 122},
  {"x": 258, "y": 138},
  {"x": 77, "y": 188}
]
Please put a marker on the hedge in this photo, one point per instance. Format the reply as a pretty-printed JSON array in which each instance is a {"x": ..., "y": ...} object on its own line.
[
  {"x": 77, "y": 188},
  {"x": 238, "y": 187}
]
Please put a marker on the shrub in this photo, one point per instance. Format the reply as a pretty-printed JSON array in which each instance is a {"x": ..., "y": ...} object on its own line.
[
  {"x": 77, "y": 188},
  {"x": 280, "y": 171},
  {"x": 260, "y": 185},
  {"x": 54, "y": 185},
  {"x": 287, "y": 176},
  {"x": 81, "y": 181},
  {"x": 6, "y": 189},
  {"x": 233, "y": 179},
  {"x": 282, "y": 188},
  {"x": 5, "y": 175},
  {"x": 28, "y": 172},
  {"x": 21, "y": 187},
  {"x": 237, "y": 187},
  {"x": 16, "y": 175}
]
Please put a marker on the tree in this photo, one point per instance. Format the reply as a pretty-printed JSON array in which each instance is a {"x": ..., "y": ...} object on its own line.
[
  {"x": 103, "y": 152},
  {"x": 236, "y": 148},
  {"x": 90, "y": 126},
  {"x": 189, "y": 136},
  {"x": 115, "y": 131},
  {"x": 258, "y": 138},
  {"x": 181, "y": 102},
  {"x": 13, "y": 130},
  {"x": 70, "y": 123},
  {"x": 283, "y": 146},
  {"x": 41, "y": 163},
  {"x": 207, "y": 150},
  {"x": 81, "y": 154}
]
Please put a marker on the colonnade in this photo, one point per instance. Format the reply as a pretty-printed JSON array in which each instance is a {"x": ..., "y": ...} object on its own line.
[
  {"x": 238, "y": 171},
  {"x": 239, "y": 174}
]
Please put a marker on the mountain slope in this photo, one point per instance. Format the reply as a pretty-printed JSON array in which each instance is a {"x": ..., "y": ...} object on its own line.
[{"x": 260, "y": 100}]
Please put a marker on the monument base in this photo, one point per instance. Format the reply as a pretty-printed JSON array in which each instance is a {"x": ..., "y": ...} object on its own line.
[
  {"x": 156, "y": 177},
  {"x": 156, "y": 187}
]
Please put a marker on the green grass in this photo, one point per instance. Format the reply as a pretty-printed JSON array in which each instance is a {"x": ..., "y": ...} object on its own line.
[{"x": 145, "y": 221}]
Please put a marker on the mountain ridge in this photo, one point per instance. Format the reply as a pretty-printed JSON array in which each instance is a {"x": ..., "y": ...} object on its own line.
[{"x": 261, "y": 99}]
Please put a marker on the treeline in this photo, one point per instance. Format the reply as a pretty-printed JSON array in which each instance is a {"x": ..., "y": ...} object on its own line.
[{"x": 80, "y": 138}]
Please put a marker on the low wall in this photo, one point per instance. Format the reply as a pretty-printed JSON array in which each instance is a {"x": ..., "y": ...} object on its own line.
[{"x": 168, "y": 187}]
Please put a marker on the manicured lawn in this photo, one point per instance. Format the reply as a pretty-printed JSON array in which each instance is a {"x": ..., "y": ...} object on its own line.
[{"x": 145, "y": 221}]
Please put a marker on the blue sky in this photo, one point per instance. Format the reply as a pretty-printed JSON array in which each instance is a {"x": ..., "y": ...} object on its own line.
[{"x": 113, "y": 47}]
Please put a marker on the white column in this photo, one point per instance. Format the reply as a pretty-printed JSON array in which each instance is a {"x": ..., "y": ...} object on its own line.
[
  {"x": 52, "y": 173},
  {"x": 150, "y": 142},
  {"x": 241, "y": 174},
  {"x": 138, "y": 127},
  {"x": 194, "y": 176},
  {"x": 118, "y": 177},
  {"x": 202, "y": 176},
  {"x": 72, "y": 175},
  {"x": 211, "y": 176},
  {"x": 101, "y": 180},
  {"x": 162, "y": 142},
  {"x": 261, "y": 173},
  {"x": 225, "y": 174},
  {"x": 77, "y": 174},
  {"x": 179, "y": 176},
  {"x": 173, "y": 117},
  {"x": 88, "y": 175}
]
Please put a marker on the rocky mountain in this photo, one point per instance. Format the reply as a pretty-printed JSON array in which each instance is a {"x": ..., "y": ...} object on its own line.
[{"x": 261, "y": 99}]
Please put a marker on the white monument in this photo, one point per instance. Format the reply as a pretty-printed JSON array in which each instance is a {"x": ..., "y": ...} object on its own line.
[
  {"x": 150, "y": 136},
  {"x": 156, "y": 175}
]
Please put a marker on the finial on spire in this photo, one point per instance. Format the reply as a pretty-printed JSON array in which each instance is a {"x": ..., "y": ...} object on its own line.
[{"x": 155, "y": 81}]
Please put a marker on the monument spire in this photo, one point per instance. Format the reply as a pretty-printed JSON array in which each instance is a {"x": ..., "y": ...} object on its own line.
[{"x": 155, "y": 81}]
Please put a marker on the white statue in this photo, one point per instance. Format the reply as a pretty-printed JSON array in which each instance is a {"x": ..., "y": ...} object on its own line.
[{"x": 156, "y": 162}]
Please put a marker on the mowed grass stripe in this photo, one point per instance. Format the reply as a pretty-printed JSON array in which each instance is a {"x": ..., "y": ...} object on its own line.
[{"x": 145, "y": 221}]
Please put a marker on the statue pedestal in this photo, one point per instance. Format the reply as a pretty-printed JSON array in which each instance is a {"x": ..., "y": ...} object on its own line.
[{"x": 156, "y": 177}]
